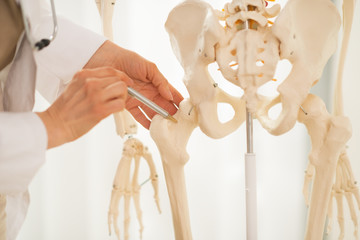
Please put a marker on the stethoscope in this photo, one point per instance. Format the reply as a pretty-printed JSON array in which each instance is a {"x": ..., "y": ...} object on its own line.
[{"x": 40, "y": 44}]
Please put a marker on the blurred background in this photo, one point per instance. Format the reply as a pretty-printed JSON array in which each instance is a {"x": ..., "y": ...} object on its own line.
[{"x": 70, "y": 195}]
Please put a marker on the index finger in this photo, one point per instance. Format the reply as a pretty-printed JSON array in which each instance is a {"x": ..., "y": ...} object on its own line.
[
  {"x": 103, "y": 72},
  {"x": 177, "y": 97},
  {"x": 159, "y": 81},
  {"x": 107, "y": 75}
]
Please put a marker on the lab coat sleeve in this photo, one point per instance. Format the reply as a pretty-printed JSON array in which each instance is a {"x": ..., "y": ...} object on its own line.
[
  {"x": 23, "y": 143},
  {"x": 67, "y": 54},
  {"x": 23, "y": 137}
]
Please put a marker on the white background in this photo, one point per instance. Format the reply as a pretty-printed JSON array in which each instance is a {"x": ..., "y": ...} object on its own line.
[{"x": 71, "y": 193}]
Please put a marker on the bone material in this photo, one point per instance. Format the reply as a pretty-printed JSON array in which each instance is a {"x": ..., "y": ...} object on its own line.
[
  {"x": 348, "y": 15},
  {"x": 171, "y": 139},
  {"x": 125, "y": 123},
  {"x": 130, "y": 189},
  {"x": 309, "y": 174},
  {"x": 248, "y": 53},
  {"x": 329, "y": 135},
  {"x": 307, "y": 31},
  {"x": 345, "y": 184},
  {"x": 106, "y": 10},
  {"x": 194, "y": 31}
]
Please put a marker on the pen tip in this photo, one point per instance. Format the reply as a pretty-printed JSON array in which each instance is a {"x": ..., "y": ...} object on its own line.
[{"x": 172, "y": 118}]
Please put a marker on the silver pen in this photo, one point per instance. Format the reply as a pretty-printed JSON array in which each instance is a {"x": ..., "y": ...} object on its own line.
[{"x": 132, "y": 92}]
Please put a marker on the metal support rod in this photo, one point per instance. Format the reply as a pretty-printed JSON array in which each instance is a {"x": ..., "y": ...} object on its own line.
[
  {"x": 250, "y": 182},
  {"x": 249, "y": 132},
  {"x": 250, "y": 176}
]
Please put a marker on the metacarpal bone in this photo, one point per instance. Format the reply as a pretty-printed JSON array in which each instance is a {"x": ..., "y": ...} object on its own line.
[
  {"x": 153, "y": 176},
  {"x": 345, "y": 186},
  {"x": 309, "y": 174},
  {"x": 123, "y": 187}
]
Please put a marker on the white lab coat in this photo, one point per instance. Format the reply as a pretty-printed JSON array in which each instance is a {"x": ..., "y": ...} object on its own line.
[{"x": 23, "y": 138}]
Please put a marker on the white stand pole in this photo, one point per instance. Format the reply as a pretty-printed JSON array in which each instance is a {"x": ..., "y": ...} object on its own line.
[{"x": 250, "y": 182}]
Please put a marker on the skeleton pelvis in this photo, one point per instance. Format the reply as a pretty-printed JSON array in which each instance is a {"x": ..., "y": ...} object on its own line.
[
  {"x": 248, "y": 60},
  {"x": 209, "y": 122},
  {"x": 248, "y": 53}
]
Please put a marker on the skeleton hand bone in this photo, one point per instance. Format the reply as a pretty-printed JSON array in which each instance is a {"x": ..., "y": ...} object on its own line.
[
  {"x": 344, "y": 186},
  {"x": 329, "y": 135},
  {"x": 123, "y": 187}
]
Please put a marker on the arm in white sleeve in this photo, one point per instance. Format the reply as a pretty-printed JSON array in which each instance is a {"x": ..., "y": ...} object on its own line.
[
  {"x": 67, "y": 54},
  {"x": 23, "y": 137},
  {"x": 23, "y": 143}
]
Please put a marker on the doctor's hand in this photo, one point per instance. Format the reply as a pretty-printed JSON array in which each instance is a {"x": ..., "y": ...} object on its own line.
[
  {"x": 92, "y": 95},
  {"x": 148, "y": 80}
]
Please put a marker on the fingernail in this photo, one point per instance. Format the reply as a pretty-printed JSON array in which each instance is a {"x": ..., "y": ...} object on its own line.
[
  {"x": 167, "y": 94},
  {"x": 170, "y": 96}
]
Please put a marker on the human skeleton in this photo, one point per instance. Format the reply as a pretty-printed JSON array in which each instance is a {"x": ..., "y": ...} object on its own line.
[
  {"x": 125, "y": 186},
  {"x": 305, "y": 33}
]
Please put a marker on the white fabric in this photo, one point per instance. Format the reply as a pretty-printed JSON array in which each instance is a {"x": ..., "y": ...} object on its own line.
[
  {"x": 16, "y": 210},
  {"x": 71, "y": 48},
  {"x": 23, "y": 142},
  {"x": 23, "y": 138}
]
